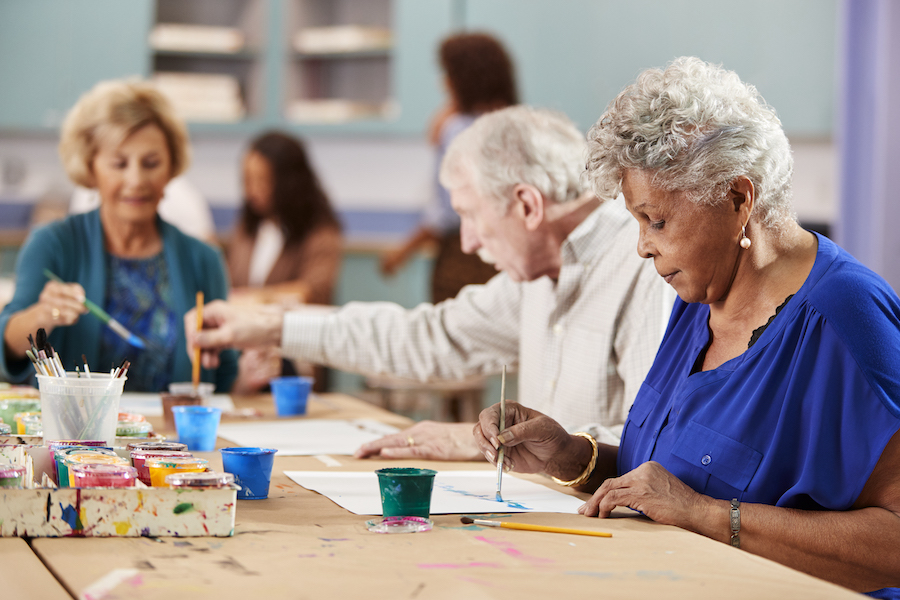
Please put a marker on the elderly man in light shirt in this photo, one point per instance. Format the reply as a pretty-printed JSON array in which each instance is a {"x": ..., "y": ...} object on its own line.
[{"x": 575, "y": 309}]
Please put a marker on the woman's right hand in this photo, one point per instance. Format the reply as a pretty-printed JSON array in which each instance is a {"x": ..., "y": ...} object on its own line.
[
  {"x": 533, "y": 442},
  {"x": 59, "y": 305}
]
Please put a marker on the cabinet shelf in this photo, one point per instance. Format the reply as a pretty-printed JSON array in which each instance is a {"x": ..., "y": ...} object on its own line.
[{"x": 239, "y": 55}]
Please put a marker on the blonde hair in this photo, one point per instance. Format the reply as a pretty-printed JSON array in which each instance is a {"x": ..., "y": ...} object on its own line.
[{"x": 113, "y": 110}]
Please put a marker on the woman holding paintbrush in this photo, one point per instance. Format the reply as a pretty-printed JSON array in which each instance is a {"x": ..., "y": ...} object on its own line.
[
  {"x": 770, "y": 417},
  {"x": 121, "y": 261}
]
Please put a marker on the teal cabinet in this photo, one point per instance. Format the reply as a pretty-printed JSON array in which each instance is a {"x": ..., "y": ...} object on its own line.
[
  {"x": 576, "y": 55},
  {"x": 52, "y": 51}
]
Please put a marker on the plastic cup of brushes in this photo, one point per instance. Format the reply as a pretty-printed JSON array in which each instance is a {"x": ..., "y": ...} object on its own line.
[{"x": 85, "y": 408}]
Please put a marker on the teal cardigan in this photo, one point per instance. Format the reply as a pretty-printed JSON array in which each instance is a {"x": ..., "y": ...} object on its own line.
[{"x": 73, "y": 248}]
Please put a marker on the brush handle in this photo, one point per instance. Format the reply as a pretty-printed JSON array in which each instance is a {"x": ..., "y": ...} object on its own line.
[
  {"x": 548, "y": 529},
  {"x": 92, "y": 308}
]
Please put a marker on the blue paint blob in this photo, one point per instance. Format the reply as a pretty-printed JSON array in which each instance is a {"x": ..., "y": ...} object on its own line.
[
  {"x": 509, "y": 503},
  {"x": 70, "y": 516}
]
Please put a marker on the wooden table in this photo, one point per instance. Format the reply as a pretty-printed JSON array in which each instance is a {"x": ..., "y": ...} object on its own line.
[{"x": 299, "y": 544}]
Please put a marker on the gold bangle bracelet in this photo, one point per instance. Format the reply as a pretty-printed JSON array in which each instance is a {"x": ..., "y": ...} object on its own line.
[{"x": 590, "y": 467}]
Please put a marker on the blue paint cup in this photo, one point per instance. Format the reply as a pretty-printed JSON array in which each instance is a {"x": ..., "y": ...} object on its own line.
[
  {"x": 197, "y": 426},
  {"x": 291, "y": 394},
  {"x": 252, "y": 470}
]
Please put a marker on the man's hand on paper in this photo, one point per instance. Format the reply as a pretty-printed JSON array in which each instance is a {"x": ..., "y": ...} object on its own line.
[{"x": 426, "y": 440}]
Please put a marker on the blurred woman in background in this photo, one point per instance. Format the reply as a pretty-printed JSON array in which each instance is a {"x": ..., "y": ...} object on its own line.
[
  {"x": 287, "y": 246},
  {"x": 479, "y": 78},
  {"x": 122, "y": 138}
]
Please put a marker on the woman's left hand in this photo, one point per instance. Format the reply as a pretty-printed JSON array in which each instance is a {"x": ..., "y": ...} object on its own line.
[{"x": 650, "y": 489}]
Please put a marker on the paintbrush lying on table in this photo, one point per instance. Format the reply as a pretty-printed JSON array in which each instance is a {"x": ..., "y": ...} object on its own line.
[{"x": 529, "y": 527}]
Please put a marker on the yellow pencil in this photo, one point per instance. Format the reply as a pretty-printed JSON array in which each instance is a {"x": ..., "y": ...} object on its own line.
[
  {"x": 529, "y": 527},
  {"x": 196, "y": 374}
]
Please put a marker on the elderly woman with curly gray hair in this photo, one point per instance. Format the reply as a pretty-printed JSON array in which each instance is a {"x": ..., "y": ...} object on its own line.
[{"x": 769, "y": 418}]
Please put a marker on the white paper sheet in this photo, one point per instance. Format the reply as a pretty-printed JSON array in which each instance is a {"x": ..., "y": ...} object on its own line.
[
  {"x": 150, "y": 405},
  {"x": 298, "y": 437},
  {"x": 455, "y": 492}
]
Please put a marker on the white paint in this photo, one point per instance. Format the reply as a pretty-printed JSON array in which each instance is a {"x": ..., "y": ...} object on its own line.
[{"x": 103, "y": 586}]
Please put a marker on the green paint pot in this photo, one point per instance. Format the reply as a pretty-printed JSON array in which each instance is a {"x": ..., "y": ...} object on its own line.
[{"x": 406, "y": 492}]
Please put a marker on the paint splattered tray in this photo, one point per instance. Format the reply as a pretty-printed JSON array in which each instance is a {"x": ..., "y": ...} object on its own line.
[{"x": 104, "y": 512}]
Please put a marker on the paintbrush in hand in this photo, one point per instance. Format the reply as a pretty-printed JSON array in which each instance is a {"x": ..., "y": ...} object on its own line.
[
  {"x": 101, "y": 314},
  {"x": 501, "y": 452}
]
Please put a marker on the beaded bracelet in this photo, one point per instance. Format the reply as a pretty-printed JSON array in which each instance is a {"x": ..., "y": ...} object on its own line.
[{"x": 590, "y": 467}]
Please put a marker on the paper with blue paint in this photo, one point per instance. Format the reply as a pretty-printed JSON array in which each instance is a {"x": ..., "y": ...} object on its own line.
[{"x": 455, "y": 492}]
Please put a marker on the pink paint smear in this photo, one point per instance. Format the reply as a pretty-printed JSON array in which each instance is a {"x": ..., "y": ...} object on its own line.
[
  {"x": 470, "y": 565},
  {"x": 512, "y": 552}
]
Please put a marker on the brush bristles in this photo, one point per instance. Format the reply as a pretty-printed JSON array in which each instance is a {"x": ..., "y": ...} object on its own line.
[{"x": 467, "y": 520}]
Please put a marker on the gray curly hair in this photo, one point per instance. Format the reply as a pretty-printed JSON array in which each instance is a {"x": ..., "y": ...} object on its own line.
[
  {"x": 696, "y": 127},
  {"x": 519, "y": 144}
]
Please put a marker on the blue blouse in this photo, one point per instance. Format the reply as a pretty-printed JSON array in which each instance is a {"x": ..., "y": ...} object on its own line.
[
  {"x": 139, "y": 295},
  {"x": 800, "y": 418}
]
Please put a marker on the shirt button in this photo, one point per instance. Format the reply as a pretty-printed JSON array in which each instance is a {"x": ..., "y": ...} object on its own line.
[
  {"x": 557, "y": 329},
  {"x": 706, "y": 459}
]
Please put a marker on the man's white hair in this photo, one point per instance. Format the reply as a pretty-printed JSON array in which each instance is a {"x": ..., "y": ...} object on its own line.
[{"x": 515, "y": 145}]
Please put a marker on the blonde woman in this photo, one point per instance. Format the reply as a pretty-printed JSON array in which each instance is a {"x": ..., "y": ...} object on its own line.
[{"x": 123, "y": 139}]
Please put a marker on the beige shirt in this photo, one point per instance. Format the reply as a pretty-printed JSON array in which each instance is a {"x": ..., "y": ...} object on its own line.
[{"x": 582, "y": 345}]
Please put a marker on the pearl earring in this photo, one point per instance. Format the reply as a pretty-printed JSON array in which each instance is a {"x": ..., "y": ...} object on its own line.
[{"x": 745, "y": 241}]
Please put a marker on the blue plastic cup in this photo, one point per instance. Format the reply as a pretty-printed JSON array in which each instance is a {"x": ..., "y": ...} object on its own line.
[
  {"x": 252, "y": 470},
  {"x": 291, "y": 394},
  {"x": 197, "y": 426}
]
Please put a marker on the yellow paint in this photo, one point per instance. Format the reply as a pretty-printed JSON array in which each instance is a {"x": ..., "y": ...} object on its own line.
[{"x": 122, "y": 527}]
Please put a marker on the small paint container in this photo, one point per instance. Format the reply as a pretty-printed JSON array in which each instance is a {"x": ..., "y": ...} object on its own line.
[
  {"x": 252, "y": 470},
  {"x": 205, "y": 480},
  {"x": 405, "y": 491},
  {"x": 56, "y": 445},
  {"x": 60, "y": 466},
  {"x": 167, "y": 446},
  {"x": 31, "y": 424},
  {"x": 71, "y": 460},
  {"x": 103, "y": 475},
  {"x": 12, "y": 477},
  {"x": 135, "y": 429},
  {"x": 290, "y": 395},
  {"x": 160, "y": 467},
  {"x": 197, "y": 426},
  {"x": 20, "y": 426},
  {"x": 133, "y": 417},
  {"x": 5, "y": 429},
  {"x": 139, "y": 460},
  {"x": 9, "y": 408}
]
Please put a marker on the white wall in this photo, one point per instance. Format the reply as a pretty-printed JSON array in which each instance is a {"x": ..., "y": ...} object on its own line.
[{"x": 371, "y": 173}]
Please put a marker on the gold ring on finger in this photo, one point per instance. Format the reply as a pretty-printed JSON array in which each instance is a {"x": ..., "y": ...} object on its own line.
[
  {"x": 55, "y": 313},
  {"x": 410, "y": 441}
]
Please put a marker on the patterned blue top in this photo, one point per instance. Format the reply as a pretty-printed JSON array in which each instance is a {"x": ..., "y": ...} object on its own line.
[
  {"x": 139, "y": 296},
  {"x": 800, "y": 418}
]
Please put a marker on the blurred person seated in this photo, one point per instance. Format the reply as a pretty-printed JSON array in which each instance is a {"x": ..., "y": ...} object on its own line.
[
  {"x": 286, "y": 247},
  {"x": 123, "y": 139},
  {"x": 182, "y": 205},
  {"x": 478, "y": 77}
]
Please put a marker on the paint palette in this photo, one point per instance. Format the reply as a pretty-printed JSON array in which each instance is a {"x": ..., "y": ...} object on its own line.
[{"x": 399, "y": 525}]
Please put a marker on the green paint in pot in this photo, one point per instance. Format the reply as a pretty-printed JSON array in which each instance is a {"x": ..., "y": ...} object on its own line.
[{"x": 406, "y": 491}]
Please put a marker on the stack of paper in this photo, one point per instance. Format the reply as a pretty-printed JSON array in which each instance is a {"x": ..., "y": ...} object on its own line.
[
  {"x": 196, "y": 38},
  {"x": 341, "y": 39},
  {"x": 202, "y": 96}
]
